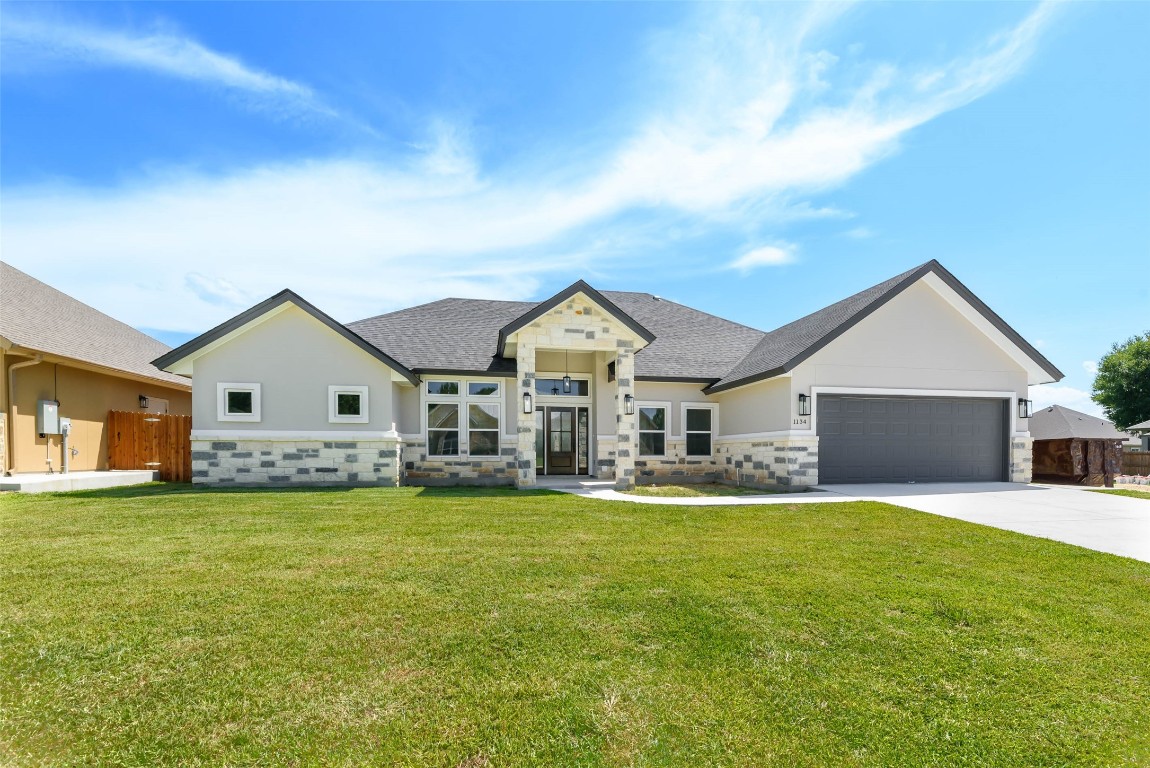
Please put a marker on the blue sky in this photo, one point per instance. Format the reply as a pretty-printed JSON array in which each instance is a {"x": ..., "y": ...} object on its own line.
[{"x": 172, "y": 164}]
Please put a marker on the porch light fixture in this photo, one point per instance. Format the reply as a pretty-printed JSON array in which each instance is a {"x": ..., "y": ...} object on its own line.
[
  {"x": 144, "y": 402},
  {"x": 804, "y": 405},
  {"x": 629, "y": 405},
  {"x": 528, "y": 406},
  {"x": 566, "y": 375},
  {"x": 1024, "y": 407}
]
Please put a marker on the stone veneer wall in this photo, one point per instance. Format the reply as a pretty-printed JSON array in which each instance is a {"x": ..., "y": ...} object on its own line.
[
  {"x": 678, "y": 467},
  {"x": 1021, "y": 459},
  {"x": 791, "y": 462},
  {"x": 298, "y": 462},
  {"x": 418, "y": 469}
]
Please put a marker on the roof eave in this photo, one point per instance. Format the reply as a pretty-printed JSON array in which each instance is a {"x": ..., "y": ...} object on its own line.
[{"x": 579, "y": 286}]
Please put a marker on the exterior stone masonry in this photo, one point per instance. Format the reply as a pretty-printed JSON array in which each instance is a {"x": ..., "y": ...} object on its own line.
[
  {"x": 578, "y": 326},
  {"x": 790, "y": 463},
  {"x": 266, "y": 462},
  {"x": 678, "y": 467},
  {"x": 418, "y": 469},
  {"x": 1021, "y": 459}
]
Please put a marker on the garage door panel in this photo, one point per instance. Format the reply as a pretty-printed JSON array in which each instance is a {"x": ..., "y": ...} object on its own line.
[{"x": 899, "y": 439}]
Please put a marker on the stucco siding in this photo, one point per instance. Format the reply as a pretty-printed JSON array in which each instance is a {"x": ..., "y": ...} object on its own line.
[
  {"x": 294, "y": 358},
  {"x": 761, "y": 407}
]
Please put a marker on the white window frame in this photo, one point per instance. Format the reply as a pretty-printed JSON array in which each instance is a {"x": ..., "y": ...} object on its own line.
[
  {"x": 497, "y": 396},
  {"x": 488, "y": 401},
  {"x": 666, "y": 406},
  {"x": 222, "y": 389},
  {"x": 460, "y": 429},
  {"x": 460, "y": 386},
  {"x": 714, "y": 409},
  {"x": 333, "y": 392}
]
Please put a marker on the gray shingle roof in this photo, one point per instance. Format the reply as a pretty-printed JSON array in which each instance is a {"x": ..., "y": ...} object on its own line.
[
  {"x": 460, "y": 335},
  {"x": 1057, "y": 422},
  {"x": 38, "y": 317},
  {"x": 1143, "y": 426}
]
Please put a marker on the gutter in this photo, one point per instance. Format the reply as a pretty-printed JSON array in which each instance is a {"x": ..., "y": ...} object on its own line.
[{"x": 12, "y": 410}]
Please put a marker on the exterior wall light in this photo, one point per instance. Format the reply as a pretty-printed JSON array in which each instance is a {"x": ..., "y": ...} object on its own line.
[
  {"x": 629, "y": 405},
  {"x": 144, "y": 402},
  {"x": 1024, "y": 407},
  {"x": 804, "y": 405},
  {"x": 528, "y": 406}
]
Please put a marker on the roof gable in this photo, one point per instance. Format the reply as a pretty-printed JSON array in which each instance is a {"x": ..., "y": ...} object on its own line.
[
  {"x": 180, "y": 358},
  {"x": 784, "y": 348},
  {"x": 1056, "y": 422},
  {"x": 38, "y": 317},
  {"x": 566, "y": 294}
]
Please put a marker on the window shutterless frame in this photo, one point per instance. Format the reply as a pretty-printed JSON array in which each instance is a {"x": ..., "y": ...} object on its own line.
[
  {"x": 347, "y": 404},
  {"x": 700, "y": 422},
  {"x": 238, "y": 401},
  {"x": 654, "y": 425}
]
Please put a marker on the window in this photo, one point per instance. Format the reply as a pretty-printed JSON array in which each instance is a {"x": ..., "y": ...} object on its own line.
[
  {"x": 482, "y": 429},
  {"x": 698, "y": 425},
  {"x": 442, "y": 429},
  {"x": 483, "y": 389},
  {"x": 347, "y": 404},
  {"x": 443, "y": 387},
  {"x": 652, "y": 430},
  {"x": 237, "y": 402},
  {"x": 579, "y": 387}
]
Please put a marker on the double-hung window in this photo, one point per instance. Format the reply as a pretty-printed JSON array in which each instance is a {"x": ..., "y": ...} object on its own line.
[
  {"x": 652, "y": 430},
  {"x": 463, "y": 418},
  {"x": 698, "y": 427}
]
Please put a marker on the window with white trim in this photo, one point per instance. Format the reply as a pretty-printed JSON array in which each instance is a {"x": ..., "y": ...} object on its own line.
[
  {"x": 652, "y": 430},
  {"x": 347, "y": 404},
  {"x": 699, "y": 428},
  {"x": 483, "y": 389},
  {"x": 483, "y": 429},
  {"x": 463, "y": 418},
  {"x": 443, "y": 429},
  {"x": 237, "y": 401},
  {"x": 449, "y": 388}
]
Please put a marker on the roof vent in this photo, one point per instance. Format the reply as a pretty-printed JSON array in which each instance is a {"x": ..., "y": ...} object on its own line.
[{"x": 656, "y": 298}]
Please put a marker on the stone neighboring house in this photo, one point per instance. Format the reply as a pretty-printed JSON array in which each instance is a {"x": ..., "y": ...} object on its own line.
[
  {"x": 914, "y": 379},
  {"x": 1075, "y": 446},
  {"x": 55, "y": 348}
]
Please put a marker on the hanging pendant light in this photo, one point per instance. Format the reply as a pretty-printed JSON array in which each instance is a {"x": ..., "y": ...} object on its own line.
[{"x": 566, "y": 375}]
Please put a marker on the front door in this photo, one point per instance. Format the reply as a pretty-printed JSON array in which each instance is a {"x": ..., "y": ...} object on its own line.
[{"x": 561, "y": 441}]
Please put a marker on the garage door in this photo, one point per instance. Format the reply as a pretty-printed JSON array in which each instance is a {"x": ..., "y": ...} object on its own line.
[{"x": 904, "y": 439}]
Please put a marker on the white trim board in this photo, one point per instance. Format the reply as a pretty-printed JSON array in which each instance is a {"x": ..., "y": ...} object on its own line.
[
  {"x": 895, "y": 392},
  {"x": 281, "y": 436}
]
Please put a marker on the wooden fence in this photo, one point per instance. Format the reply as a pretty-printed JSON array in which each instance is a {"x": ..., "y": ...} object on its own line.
[
  {"x": 156, "y": 441},
  {"x": 1136, "y": 463}
]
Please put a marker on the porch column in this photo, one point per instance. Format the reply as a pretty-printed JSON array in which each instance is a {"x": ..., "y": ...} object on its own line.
[
  {"x": 525, "y": 454},
  {"x": 628, "y": 426}
]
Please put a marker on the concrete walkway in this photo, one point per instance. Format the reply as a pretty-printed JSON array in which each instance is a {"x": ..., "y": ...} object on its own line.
[
  {"x": 41, "y": 482},
  {"x": 1106, "y": 523}
]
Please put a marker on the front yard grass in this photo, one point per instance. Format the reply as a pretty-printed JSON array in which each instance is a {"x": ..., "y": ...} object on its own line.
[
  {"x": 159, "y": 626},
  {"x": 1131, "y": 492},
  {"x": 687, "y": 490}
]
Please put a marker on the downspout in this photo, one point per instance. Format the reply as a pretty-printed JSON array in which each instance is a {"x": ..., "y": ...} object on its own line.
[{"x": 36, "y": 360}]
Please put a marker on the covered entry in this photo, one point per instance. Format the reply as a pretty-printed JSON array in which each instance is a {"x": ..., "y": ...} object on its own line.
[
  {"x": 867, "y": 439},
  {"x": 562, "y": 440}
]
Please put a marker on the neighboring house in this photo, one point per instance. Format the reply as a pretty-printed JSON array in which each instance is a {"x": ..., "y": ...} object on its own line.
[
  {"x": 53, "y": 347},
  {"x": 1072, "y": 445},
  {"x": 1142, "y": 431},
  {"x": 914, "y": 379}
]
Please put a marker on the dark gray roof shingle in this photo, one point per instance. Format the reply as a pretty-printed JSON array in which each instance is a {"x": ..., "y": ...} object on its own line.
[
  {"x": 38, "y": 317},
  {"x": 1057, "y": 422}
]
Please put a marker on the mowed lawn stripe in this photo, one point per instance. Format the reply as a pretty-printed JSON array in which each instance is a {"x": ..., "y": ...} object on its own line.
[{"x": 160, "y": 625}]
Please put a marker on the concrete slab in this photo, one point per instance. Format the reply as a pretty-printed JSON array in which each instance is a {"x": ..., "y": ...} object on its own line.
[
  {"x": 76, "y": 481},
  {"x": 1102, "y": 522}
]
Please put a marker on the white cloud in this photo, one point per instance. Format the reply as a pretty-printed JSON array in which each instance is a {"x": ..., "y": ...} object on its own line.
[
  {"x": 765, "y": 256},
  {"x": 753, "y": 119},
  {"x": 31, "y": 41},
  {"x": 1090, "y": 367},
  {"x": 1066, "y": 396}
]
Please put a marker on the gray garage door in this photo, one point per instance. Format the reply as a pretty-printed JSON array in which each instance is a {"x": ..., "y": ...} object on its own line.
[{"x": 903, "y": 439}]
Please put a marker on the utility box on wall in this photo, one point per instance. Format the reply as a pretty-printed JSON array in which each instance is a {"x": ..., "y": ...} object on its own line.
[{"x": 47, "y": 417}]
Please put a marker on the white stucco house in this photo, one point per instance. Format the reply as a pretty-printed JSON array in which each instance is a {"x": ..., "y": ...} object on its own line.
[{"x": 914, "y": 379}]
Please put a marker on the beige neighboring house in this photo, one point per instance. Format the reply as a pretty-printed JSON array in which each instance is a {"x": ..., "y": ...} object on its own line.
[
  {"x": 55, "y": 348},
  {"x": 912, "y": 380}
]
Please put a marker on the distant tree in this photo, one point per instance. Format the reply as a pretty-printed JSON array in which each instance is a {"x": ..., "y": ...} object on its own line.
[{"x": 1122, "y": 386}]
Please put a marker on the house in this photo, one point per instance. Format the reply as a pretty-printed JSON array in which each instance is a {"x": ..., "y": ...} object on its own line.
[
  {"x": 82, "y": 363},
  {"x": 1075, "y": 446},
  {"x": 1142, "y": 432},
  {"x": 911, "y": 380}
]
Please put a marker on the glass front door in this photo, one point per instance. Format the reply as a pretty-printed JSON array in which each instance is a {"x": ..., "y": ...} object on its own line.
[{"x": 562, "y": 440}]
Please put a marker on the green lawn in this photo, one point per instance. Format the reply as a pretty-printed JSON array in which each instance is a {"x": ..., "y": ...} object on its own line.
[
  {"x": 463, "y": 627},
  {"x": 686, "y": 490},
  {"x": 1132, "y": 493}
]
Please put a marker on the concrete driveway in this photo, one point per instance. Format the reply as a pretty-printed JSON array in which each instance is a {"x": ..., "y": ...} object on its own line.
[{"x": 1103, "y": 522}]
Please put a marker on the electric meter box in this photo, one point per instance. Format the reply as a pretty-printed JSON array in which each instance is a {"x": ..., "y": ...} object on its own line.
[{"x": 47, "y": 417}]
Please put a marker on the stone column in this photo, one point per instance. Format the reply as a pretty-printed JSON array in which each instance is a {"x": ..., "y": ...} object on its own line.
[
  {"x": 525, "y": 454},
  {"x": 628, "y": 426},
  {"x": 1021, "y": 459}
]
